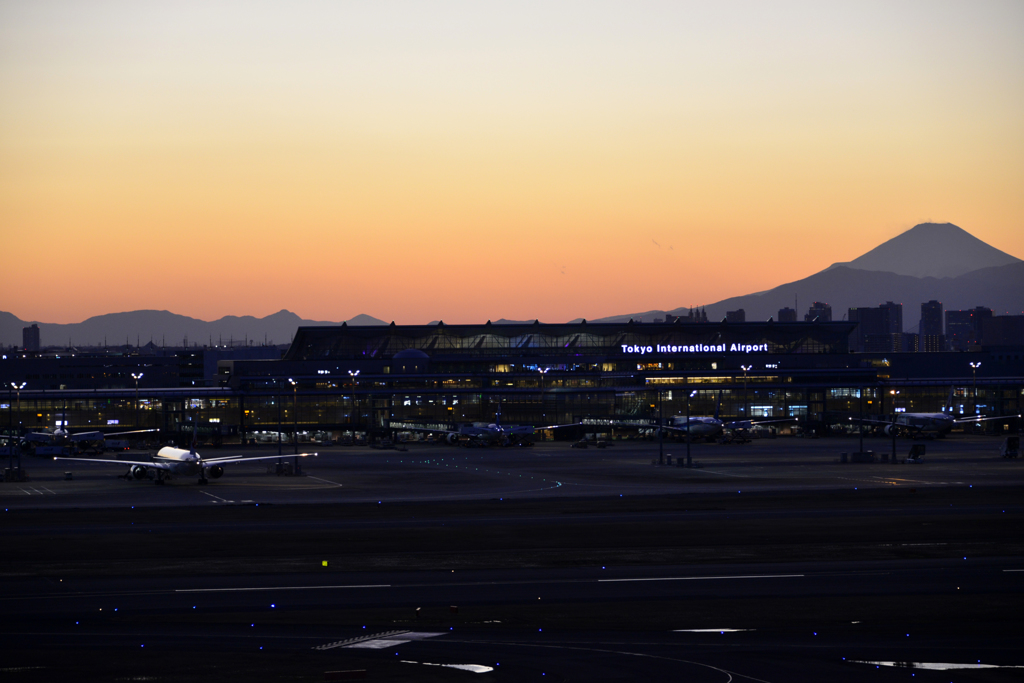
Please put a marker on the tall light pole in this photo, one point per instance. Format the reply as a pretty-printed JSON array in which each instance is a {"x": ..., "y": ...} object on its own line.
[
  {"x": 974, "y": 372},
  {"x": 18, "y": 388},
  {"x": 689, "y": 462},
  {"x": 661, "y": 429},
  {"x": 137, "y": 377},
  {"x": 860, "y": 430},
  {"x": 892, "y": 429},
  {"x": 542, "y": 371},
  {"x": 10, "y": 430},
  {"x": 10, "y": 433},
  {"x": 295, "y": 413},
  {"x": 746, "y": 369},
  {"x": 355, "y": 384}
]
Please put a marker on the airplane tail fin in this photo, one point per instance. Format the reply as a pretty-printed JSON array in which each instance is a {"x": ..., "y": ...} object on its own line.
[
  {"x": 949, "y": 400},
  {"x": 718, "y": 407},
  {"x": 195, "y": 436}
]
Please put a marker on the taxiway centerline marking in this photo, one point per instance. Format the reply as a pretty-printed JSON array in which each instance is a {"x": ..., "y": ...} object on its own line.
[
  {"x": 223, "y": 500},
  {"x": 724, "y": 474}
]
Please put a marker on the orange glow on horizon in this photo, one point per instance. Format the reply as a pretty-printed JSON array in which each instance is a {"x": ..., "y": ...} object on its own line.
[{"x": 465, "y": 162}]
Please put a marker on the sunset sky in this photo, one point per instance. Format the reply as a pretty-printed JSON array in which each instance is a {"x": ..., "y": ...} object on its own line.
[{"x": 468, "y": 161}]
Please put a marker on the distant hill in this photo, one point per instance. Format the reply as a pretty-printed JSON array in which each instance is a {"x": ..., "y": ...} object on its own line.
[
  {"x": 929, "y": 261},
  {"x": 166, "y": 328}
]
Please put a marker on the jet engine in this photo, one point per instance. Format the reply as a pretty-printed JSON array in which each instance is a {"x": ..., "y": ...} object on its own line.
[
  {"x": 139, "y": 472},
  {"x": 215, "y": 471},
  {"x": 452, "y": 439},
  {"x": 892, "y": 430}
]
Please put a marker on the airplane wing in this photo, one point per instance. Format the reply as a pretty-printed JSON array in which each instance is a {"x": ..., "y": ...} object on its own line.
[
  {"x": 137, "y": 431},
  {"x": 571, "y": 424},
  {"x": 965, "y": 420},
  {"x": 426, "y": 429},
  {"x": 143, "y": 463},
  {"x": 244, "y": 458},
  {"x": 747, "y": 424},
  {"x": 671, "y": 428},
  {"x": 39, "y": 437},
  {"x": 87, "y": 436},
  {"x": 869, "y": 421}
]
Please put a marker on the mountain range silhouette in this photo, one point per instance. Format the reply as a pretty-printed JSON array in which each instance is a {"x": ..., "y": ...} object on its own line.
[{"x": 929, "y": 261}]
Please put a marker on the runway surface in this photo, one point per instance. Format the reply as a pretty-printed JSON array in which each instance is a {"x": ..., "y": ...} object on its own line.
[
  {"x": 547, "y": 470},
  {"x": 771, "y": 561}
]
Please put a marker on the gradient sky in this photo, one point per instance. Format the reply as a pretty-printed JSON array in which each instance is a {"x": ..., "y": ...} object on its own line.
[{"x": 467, "y": 161}]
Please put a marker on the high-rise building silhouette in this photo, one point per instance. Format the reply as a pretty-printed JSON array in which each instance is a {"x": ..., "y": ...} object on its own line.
[
  {"x": 929, "y": 329},
  {"x": 787, "y": 315},
  {"x": 819, "y": 310},
  {"x": 30, "y": 337},
  {"x": 931, "y": 318},
  {"x": 878, "y": 329},
  {"x": 1003, "y": 330},
  {"x": 893, "y": 317},
  {"x": 963, "y": 328},
  {"x": 737, "y": 316}
]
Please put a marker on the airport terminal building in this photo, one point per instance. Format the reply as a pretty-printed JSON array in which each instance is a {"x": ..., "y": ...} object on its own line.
[{"x": 376, "y": 380}]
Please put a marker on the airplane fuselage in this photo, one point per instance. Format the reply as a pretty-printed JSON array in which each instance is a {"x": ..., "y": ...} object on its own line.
[
  {"x": 181, "y": 462},
  {"x": 697, "y": 425},
  {"x": 494, "y": 432},
  {"x": 941, "y": 423}
]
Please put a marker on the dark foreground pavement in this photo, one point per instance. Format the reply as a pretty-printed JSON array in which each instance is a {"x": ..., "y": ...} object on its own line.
[{"x": 811, "y": 572}]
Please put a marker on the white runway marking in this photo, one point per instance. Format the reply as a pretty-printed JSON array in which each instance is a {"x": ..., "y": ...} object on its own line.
[
  {"x": 475, "y": 668},
  {"x": 705, "y": 578},
  {"x": 379, "y": 641},
  {"x": 711, "y": 630},
  {"x": 222, "y": 500},
  {"x": 34, "y": 491},
  {"x": 392, "y": 640}
]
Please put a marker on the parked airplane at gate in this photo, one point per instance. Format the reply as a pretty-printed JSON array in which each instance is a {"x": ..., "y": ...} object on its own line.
[
  {"x": 493, "y": 433},
  {"x": 171, "y": 461},
  {"x": 61, "y": 438},
  {"x": 917, "y": 424},
  {"x": 705, "y": 427}
]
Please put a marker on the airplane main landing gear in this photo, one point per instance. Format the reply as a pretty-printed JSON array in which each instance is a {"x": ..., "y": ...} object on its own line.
[{"x": 203, "y": 481}]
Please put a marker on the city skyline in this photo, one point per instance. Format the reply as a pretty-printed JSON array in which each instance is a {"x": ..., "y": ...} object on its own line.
[{"x": 463, "y": 163}]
